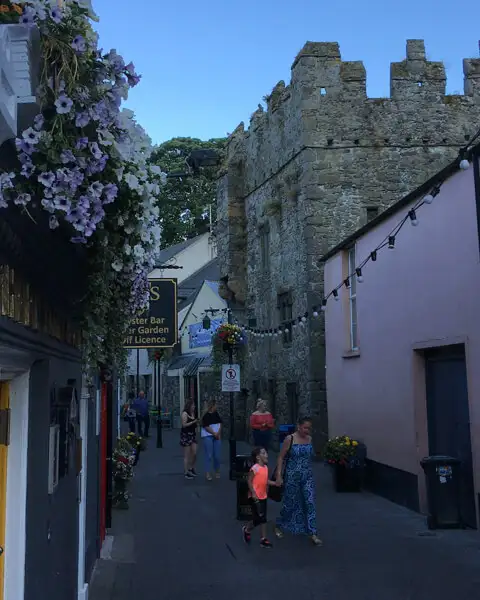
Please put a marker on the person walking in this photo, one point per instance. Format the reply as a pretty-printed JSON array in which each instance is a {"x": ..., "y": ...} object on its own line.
[
  {"x": 141, "y": 408},
  {"x": 188, "y": 439},
  {"x": 258, "y": 482},
  {"x": 130, "y": 414},
  {"x": 298, "y": 514},
  {"x": 211, "y": 435},
  {"x": 261, "y": 424}
]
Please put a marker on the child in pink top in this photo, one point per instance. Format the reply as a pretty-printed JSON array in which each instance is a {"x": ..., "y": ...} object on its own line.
[{"x": 258, "y": 483}]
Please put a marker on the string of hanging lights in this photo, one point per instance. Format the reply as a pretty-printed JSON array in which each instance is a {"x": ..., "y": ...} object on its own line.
[{"x": 388, "y": 242}]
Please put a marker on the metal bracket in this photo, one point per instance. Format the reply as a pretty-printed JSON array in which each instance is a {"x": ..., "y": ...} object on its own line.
[{"x": 5, "y": 427}]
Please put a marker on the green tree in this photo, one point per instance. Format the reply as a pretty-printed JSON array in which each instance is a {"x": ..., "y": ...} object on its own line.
[{"x": 185, "y": 203}]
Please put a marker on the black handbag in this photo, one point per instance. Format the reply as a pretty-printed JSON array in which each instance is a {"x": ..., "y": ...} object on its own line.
[{"x": 275, "y": 492}]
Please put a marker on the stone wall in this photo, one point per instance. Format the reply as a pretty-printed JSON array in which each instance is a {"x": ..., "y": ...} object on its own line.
[
  {"x": 307, "y": 169},
  {"x": 171, "y": 395}
]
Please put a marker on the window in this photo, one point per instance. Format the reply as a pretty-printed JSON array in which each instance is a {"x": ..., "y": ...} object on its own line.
[
  {"x": 292, "y": 401},
  {"x": 352, "y": 299},
  {"x": 285, "y": 305},
  {"x": 372, "y": 213},
  {"x": 265, "y": 246}
]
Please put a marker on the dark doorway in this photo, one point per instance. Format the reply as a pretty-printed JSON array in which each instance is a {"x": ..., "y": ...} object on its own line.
[{"x": 449, "y": 417}]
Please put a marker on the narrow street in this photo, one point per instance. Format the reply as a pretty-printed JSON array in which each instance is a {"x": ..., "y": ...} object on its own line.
[{"x": 180, "y": 540}]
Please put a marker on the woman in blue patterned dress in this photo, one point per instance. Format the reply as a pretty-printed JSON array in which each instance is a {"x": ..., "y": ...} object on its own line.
[{"x": 299, "y": 514}]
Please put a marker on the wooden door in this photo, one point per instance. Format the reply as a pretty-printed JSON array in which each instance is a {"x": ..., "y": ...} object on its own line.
[
  {"x": 4, "y": 432},
  {"x": 449, "y": 418}
]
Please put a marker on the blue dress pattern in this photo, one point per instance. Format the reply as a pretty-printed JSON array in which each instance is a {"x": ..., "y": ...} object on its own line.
[{"x": 299, "y": 514}]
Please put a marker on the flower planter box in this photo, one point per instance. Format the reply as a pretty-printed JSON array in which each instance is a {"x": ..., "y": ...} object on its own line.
[
  {"x": 347, "y": 479},
  {"x": 120, "y": 495}
]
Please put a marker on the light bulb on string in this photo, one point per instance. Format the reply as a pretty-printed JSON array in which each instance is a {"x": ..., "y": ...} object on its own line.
[
  {"x": 391, "y": 242},
  {"x": 358, "y": 272},
  {"x": 347, "y": 282},
  {"x": 304, "y": 318},
  {"x": 280, "y": 331},
  {"x": 464, "y": 164},
  {"x": 335, "y": 294},
  {"x": 413, "y": 217},
  {"x": 286, "y": 329},
  {"x": 314, "y": 312},
  {"x": 324, "y": 304},
  {"x": 428, "y": 199},
  {"x": 373, "y": 255}
]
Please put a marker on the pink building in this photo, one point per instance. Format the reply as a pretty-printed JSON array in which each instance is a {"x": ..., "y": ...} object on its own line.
[{"x": 403, "y": 340}]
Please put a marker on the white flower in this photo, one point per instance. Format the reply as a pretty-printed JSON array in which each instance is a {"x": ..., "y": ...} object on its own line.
[
  {"x": 138, "y": 252},
  {"x": 127, "y": 249},
  {"x": 129, "y": 229},
  {"x": 155, "y": 169},
  {"x": 145, "y": 235},
  {"x": 31, "y": 135},
  {"x": 119, "y": 173},
  {"x": 131, "y": 181},
  {"x": 117, "y": 265}
]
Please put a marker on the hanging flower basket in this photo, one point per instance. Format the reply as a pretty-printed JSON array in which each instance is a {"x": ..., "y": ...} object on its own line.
[
  {"x": 228, "y": 338},
  {"x": 124, "y": 459}
]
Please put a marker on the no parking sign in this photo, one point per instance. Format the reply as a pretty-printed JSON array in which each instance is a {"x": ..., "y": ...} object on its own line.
[{"x": 230, "y": 378}]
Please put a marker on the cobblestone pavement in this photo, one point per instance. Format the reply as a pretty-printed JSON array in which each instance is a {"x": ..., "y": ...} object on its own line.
[{"x": 180, "y": 541}]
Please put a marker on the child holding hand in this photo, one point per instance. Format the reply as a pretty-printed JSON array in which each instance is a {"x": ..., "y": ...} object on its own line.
[{"x": 258, "y": 483}]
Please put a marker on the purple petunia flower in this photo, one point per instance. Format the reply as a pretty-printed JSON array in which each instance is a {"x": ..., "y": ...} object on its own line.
[
  {"x": 67, "y": 156},
  {"x": 46, "y": 179},
  {"x": 78, "y": 240},
  {"x": 3, "y": 202},
  {"x": 24, "y": 146},
  {"x": 82, "y": 119},
  {"x": 22, "y": 199},
  {"x": 110, "y": 192},
  {"x": 63, "y": 104},
  {"x": 48, "y": 205},
  {"x": 96, "y": 189},
  {"x": 38, "y": 122},
  {"x": 62, "y": 203},
  {"x": 56, "y": 15},
  {"x": 27, "y": 170},
  {"x": 28, "y": 17},
  {"x": 95, "y": 150},
  {"x": 24, "y": 159},
  {"x": 79, "y": 44},
  {"x": 82, "y": 143}
]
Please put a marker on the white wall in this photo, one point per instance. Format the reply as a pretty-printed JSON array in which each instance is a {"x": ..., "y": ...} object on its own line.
[
  {"x": 192, "y": 259},
  {"x": 206, "y": 299},
  {"x": 17, "y": 489}
]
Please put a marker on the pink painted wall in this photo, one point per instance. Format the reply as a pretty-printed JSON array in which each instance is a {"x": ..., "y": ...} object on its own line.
[{"x": 424, "y": 292}]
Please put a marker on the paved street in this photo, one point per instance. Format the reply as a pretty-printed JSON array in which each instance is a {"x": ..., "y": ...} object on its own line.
[{"x": 180, "y": 541}]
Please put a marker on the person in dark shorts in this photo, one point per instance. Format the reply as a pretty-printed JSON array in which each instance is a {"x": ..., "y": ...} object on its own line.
[
  {"x": 188, "y": 439},
  {"x": 258, "y": 483}
]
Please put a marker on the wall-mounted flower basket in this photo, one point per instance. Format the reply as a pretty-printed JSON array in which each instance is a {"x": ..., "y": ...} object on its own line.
[{"x": 228, "y": 338}]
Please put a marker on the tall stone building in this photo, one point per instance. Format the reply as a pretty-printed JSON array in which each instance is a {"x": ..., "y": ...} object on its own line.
[{"x": 316, "y": 165}]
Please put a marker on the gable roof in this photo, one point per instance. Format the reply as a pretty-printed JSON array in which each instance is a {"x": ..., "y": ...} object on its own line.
[
  {"x": 189, "y": 287},
  {"x": 168, "y": 253},
  {"x": 423, "y": 189}
]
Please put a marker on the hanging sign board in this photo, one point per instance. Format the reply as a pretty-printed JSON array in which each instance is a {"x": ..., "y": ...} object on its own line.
[
  {"x": 230, "y": 378},
  {"x": 157, "y": 326}
]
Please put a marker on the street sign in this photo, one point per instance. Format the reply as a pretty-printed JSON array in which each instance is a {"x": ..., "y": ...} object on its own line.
[
  {"x": 157, "y": 326},
  {"x": 230, "y": 378}
]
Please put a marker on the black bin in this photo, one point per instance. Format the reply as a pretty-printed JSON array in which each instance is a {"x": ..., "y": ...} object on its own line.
[
  {"x": 283, "y": 431},
  {"x": 243, "y": 464},
  {"x": 442, "y": 475}
]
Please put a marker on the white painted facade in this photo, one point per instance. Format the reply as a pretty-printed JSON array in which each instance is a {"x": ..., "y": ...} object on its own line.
[
  {"x": 206, "y": 299},
  {"x": 192, "y": 258},
  {"x": 82, "y": 510}
]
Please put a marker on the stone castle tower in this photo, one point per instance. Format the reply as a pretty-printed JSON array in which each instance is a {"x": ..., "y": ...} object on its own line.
[{"x": 312, "y": 168}]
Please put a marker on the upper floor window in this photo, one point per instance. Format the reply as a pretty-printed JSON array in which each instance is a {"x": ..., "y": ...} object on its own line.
[
  {"x": 285, "y": 307},
  {"x": 264, "y": 233},
  {"x": 352, "y": 300},
  {"x": 372, "y": 213}
]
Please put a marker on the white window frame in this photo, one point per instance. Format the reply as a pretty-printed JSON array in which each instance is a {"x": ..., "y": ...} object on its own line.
[{"x": 352, "y": 299}]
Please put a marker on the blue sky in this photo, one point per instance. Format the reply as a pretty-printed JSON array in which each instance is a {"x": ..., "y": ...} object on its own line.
[{"x": 207, "y": 64}]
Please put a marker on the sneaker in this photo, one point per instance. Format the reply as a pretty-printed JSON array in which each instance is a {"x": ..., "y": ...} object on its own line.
[
  {"x": 246, "y": 535},
  {"x": 188, "y": 475},
  {"x": 193, "y": 472},
  {"x": 209, "y": 477},
  {"x": 265, "y": 543}
]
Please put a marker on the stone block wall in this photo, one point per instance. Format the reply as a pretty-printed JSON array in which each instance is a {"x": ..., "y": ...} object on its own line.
[{"x": 309, "y": 169}]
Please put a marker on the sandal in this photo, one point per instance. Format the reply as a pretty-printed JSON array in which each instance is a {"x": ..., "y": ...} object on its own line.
[
  {"x": 316, "y": 540},
  {"x": 209, "y": 477},
  {"x": 278, "y": 533}
]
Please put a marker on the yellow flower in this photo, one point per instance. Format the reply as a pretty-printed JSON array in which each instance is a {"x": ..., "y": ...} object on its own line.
[
  {"x": 348, "y": 443},
  {"x": 354, "y": 443}
]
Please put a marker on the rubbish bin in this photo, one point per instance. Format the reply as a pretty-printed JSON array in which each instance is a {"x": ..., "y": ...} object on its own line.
[
  {"x": 243, "y": 464},
  {"x": 442, "y": 475},
  {"x": 283, "y": 431}
]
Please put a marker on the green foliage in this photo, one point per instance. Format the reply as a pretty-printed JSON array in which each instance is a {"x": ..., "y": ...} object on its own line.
[{"x": 184, "y": 203}]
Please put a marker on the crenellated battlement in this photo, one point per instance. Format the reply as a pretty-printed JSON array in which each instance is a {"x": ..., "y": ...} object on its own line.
[{"x": 326, "y": 104}]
